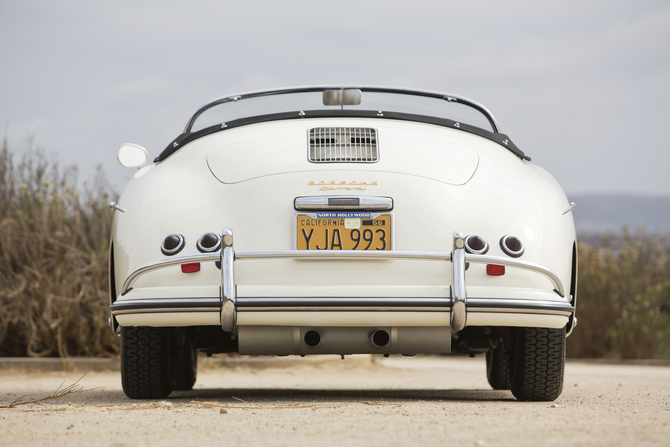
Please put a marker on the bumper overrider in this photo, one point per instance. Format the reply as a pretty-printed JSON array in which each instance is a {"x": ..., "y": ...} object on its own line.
[{"x": 458, "y": 305}]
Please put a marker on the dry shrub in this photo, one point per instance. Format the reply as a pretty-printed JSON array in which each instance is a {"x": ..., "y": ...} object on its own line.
[
  {"x": 53, "y": 259},
  {"x": 53, "y": 273},
  {"x": 623, "y": 294}
]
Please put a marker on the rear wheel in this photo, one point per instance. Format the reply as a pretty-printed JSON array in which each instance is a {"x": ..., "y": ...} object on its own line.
[
  {"x": 538, "y": 364},
  {"x": 497, "y": 368},
  {"x": 145, "y": 363}
]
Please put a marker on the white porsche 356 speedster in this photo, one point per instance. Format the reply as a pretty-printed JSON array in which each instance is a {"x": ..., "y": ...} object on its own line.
[{"x": 342, "y": 221}]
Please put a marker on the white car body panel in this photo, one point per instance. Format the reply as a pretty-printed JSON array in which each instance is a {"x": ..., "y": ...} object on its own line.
[{"x": 442, "y": 180}]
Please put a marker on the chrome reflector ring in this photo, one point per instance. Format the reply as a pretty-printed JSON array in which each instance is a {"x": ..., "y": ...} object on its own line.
[
  {"x": 476, "y": 244},
  {"x": 172, "y": 244},
  {"x": 512, "y": 246},
  {"x": 209, "y": 242}
]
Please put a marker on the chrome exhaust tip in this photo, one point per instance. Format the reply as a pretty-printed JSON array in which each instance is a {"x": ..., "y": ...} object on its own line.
[{"x": 380, "y": 338}]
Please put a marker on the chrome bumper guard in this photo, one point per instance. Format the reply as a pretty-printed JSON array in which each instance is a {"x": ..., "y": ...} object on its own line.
[{"x": 229, "y": 304}]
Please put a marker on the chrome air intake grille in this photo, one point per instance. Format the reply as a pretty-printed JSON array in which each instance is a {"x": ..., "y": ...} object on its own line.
[{"x": 343, "y": 144}]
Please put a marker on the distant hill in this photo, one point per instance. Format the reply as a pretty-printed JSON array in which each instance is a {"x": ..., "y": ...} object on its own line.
[{"x": 596, "y": 214}]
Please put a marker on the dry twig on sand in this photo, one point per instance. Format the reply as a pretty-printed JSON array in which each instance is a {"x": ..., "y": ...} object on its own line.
[
  {"x": 253, "y": 406},
  {"x": 60, "y": 392}
]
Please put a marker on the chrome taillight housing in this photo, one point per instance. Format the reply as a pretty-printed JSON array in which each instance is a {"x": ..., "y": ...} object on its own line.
[
  {"x": 512, "y": 246},
  {"x": 476, "y": 244},
  {"x": 172, "y": 244},
  {"x": 209, "y": 242}
]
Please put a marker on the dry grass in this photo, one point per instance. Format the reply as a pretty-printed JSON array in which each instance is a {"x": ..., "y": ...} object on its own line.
[
  {"x": 53, "y": 273},
  {"x": 623, "y": 294},
  {"x": 53, "y": 259}
]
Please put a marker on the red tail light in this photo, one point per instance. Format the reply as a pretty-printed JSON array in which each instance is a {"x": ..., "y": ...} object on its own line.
[
  {"x": 190, "y": 268},
  {"x": 495, "y": 270}
]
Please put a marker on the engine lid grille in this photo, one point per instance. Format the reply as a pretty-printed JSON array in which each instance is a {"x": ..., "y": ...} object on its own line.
[{"x": 343, "y": 145}]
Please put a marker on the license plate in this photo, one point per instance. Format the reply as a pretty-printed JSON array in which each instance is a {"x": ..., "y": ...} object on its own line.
[{"x": 344, "y": 231}]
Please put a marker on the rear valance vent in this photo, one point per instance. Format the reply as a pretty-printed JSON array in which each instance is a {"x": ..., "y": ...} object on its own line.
[{"x": 343, "y": 144}]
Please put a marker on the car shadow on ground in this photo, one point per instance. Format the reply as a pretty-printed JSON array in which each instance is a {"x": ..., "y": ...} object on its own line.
[{"x": 288, "y": 396}]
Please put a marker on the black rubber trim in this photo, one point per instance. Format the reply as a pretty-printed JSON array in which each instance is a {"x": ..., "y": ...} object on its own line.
[
  {"x": 186, "y": 138},
  {"x": 112, "y": 276}
]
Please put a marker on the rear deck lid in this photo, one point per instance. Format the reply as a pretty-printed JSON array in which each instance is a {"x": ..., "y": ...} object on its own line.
[{"x": 285, "y": 147}]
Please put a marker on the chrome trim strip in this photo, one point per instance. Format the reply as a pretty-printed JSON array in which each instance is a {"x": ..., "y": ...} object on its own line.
[
  {"x": 282, "y": 304},
  {"x": 474, "y": 305},
  {"x": 228, "y": 287},
  {"x": 256, "y": 304},
  {"x": 146, "y": 268},
  {"x": 459, "y": 315},
  {"x": 157, "y": 305},
  {"x": 343, "y": 309},
  {"x": 115, "y": 205},
  {"x": 506, "y": 305},
  {"x": 319, "y": 203},
  {"x": 343, "y": 254},
  {"x": 167, "y": 310},
  {"x": 573, "y": 206},
  {"x": 295, "y": 254},
  {"x": 483, "y": 259}
]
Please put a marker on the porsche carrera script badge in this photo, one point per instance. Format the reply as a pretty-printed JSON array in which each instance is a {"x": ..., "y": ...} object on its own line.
[{"x": 342, "y": 186}]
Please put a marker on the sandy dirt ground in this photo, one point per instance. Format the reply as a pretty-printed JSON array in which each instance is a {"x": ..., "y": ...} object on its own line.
[{"x": 422, "y": 401}]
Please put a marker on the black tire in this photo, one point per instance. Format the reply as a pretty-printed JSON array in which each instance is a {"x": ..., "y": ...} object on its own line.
[
  {"x": 185, "y": 368},
  {"x": 538, "y": 364},
  {"x": 145, "y": 363},
  {"x": 497, "y": 368}
]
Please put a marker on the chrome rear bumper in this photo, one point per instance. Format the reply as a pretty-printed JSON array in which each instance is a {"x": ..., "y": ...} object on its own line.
[{"x": 457, "y": 304}]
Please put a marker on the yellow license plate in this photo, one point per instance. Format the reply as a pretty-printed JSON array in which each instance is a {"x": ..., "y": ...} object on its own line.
[{"x": 344, "y": 231}]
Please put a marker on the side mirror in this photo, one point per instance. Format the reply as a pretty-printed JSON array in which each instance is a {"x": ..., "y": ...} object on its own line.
[{"x": 132, "y": 155}]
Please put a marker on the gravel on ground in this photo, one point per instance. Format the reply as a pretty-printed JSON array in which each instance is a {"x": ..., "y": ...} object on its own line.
[{"x": 325, "y": 401}]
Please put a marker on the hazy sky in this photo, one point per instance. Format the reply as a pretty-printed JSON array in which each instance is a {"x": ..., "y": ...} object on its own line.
[{"x": 583, "y": 87}]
